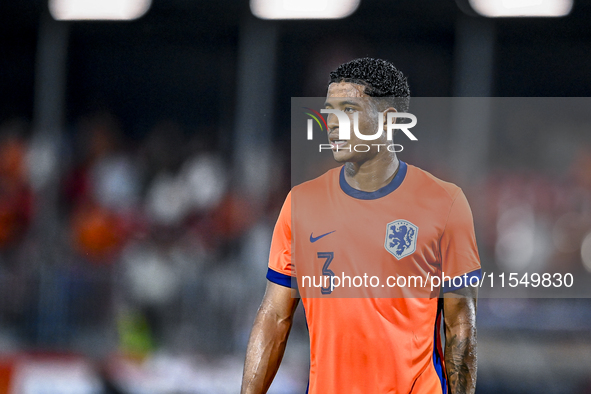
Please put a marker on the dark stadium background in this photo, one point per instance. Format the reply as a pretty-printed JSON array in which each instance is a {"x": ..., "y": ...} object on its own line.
[{"x": 133, "y": 244}]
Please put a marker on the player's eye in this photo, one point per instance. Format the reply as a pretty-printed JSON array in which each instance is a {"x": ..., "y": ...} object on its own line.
[{"x": 349, "y": 109}]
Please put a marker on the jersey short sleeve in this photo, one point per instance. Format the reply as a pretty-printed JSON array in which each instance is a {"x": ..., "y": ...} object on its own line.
[
  {"x": 280, "y": 268},
  {"x": 459, "y": 253}
]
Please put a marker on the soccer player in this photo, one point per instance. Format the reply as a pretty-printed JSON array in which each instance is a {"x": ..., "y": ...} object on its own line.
[{"x": 378, "y": 214}]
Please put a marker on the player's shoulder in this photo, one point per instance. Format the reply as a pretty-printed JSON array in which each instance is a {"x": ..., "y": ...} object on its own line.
[
  {"x": 428, "y": 182},
  {"x": 317, "y": 184}
]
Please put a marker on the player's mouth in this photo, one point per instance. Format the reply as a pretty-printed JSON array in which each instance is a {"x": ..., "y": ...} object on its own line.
[{"x": 336, "y": 143}]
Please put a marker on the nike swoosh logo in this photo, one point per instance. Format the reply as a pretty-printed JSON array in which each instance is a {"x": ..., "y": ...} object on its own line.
[{"x": 312, "y": 239}]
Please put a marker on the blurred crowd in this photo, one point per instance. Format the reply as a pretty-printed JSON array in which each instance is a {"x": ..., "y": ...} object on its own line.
[
  {"x": 531, "y": 220},
  {"x": 137, "y": 244}
]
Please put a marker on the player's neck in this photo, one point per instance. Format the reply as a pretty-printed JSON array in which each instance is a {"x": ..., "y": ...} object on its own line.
[{"x": 371, "y": 175}]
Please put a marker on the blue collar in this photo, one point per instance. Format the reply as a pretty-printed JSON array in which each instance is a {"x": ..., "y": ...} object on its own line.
[{"x": 384, "y": 191}]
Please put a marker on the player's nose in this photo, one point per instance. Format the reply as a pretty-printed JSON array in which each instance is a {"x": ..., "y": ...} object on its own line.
[{"x": 332, "y": 122}]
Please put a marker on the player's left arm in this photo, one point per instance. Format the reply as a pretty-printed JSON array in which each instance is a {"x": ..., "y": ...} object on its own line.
[
  {"x": 459, "y": 311},
  {"x": 459, "y": 256}
]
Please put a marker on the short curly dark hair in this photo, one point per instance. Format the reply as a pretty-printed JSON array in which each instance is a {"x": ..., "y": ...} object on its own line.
[{"x": 380, "y": 78}]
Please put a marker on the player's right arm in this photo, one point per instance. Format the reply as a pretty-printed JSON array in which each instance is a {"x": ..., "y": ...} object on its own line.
[
  {"x": 268, "y": 338},
  {"x": 275, "y": 315}
]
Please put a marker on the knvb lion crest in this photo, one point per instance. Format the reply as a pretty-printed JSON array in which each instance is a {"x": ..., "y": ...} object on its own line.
[{"x": 401, "y": 238}]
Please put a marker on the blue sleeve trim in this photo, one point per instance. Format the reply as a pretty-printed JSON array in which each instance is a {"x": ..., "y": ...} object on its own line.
[
  {"x": 279, "y": 278},
  {"x": 461, "y": 281},
  {"x": 437, "y": 344}
]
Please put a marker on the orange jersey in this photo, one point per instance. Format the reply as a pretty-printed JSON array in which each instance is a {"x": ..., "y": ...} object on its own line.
[{"x": 415, "y": 225}]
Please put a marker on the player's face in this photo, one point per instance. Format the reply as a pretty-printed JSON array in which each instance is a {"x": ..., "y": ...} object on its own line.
[{"x": 350, "y": 98}]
